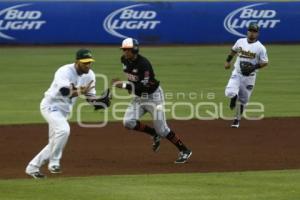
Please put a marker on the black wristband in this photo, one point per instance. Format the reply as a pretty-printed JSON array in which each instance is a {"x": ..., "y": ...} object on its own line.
[{"x": 229, "y": 58}]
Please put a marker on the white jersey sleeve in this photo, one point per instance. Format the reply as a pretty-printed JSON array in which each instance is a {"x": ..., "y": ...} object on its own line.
[
  {"x": 263, "y": 56},
  {"x": 236, "y": 46},
  {"x": 61, "y": 79}
]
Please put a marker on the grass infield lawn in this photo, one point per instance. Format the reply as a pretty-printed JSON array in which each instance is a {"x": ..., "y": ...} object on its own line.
[
  {"x": 26, "y": 72},
  {"x": 275, "y": 185}
]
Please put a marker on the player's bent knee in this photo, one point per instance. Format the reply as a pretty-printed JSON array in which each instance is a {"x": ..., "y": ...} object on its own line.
[
  {"x": 229, "y": 93},
  {"x": 163, "y": 132},
  {"x": 129, "y": 124}
]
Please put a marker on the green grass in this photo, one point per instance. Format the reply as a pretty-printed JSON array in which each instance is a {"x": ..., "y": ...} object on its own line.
[
  {"x": 275, "y": 185},
  {"x": 27, "y": 72}
]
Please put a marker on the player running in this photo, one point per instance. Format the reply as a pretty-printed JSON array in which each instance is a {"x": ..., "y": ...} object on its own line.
[
  {"x": 252, "y": 55},
  {"x": 149, "y": 97}
]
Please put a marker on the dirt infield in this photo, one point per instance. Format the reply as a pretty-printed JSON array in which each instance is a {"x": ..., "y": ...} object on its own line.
[{"x": 257, "y": 145}]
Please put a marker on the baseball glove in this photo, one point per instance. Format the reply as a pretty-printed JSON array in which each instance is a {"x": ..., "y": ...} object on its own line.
[
  {"x": 247, "y": 68},
  {"x": 102, "y": 102}
]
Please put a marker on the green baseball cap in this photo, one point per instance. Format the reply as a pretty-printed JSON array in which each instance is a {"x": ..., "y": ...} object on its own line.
[
  {"x": 84, "y": 56},
  {"x": 253, "y": 27}
]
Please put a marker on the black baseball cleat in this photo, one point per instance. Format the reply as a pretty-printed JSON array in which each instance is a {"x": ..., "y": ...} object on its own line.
[
  {"x": 55, "y": 169},
  {"x": 156, "y": 143},
  {"x": 183, "y": 156},
  {"x": 233, "y": 102},
  {"x": 235, "y": 123},
  {"x": 36, "y": 175}
]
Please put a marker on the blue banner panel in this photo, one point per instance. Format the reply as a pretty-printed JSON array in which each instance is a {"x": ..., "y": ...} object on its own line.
[{"x": 149, "y": 22}]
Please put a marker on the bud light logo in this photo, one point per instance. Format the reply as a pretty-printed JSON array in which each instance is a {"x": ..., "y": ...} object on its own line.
[
  {"x": 15, "y": 19},
  {"x": 130, "y": 18},
  {"x": 240, "y": 19}
]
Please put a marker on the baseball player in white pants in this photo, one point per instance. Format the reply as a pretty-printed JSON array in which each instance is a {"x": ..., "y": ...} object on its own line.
[
  {"x": 251, "y": 56},
  {"x": 69, "y": 82}
]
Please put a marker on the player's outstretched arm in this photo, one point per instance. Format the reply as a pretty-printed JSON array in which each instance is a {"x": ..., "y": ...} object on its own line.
[{"x": 116, "y": 82}]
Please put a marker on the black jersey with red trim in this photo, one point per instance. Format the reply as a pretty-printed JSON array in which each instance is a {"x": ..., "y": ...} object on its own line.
[{"x": 140, "y": 73}]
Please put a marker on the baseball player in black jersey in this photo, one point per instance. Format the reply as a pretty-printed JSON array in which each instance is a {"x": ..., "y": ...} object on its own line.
[{"x": 149, "y": 97}]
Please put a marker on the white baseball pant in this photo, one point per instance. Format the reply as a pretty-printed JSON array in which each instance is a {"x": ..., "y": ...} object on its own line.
[
  {"x": 240, "y": 85},
  {"x": 59, "y": 131}
]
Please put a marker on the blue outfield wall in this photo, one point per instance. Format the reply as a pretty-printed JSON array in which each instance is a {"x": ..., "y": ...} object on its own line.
[{"x": 149, "y": 22}]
